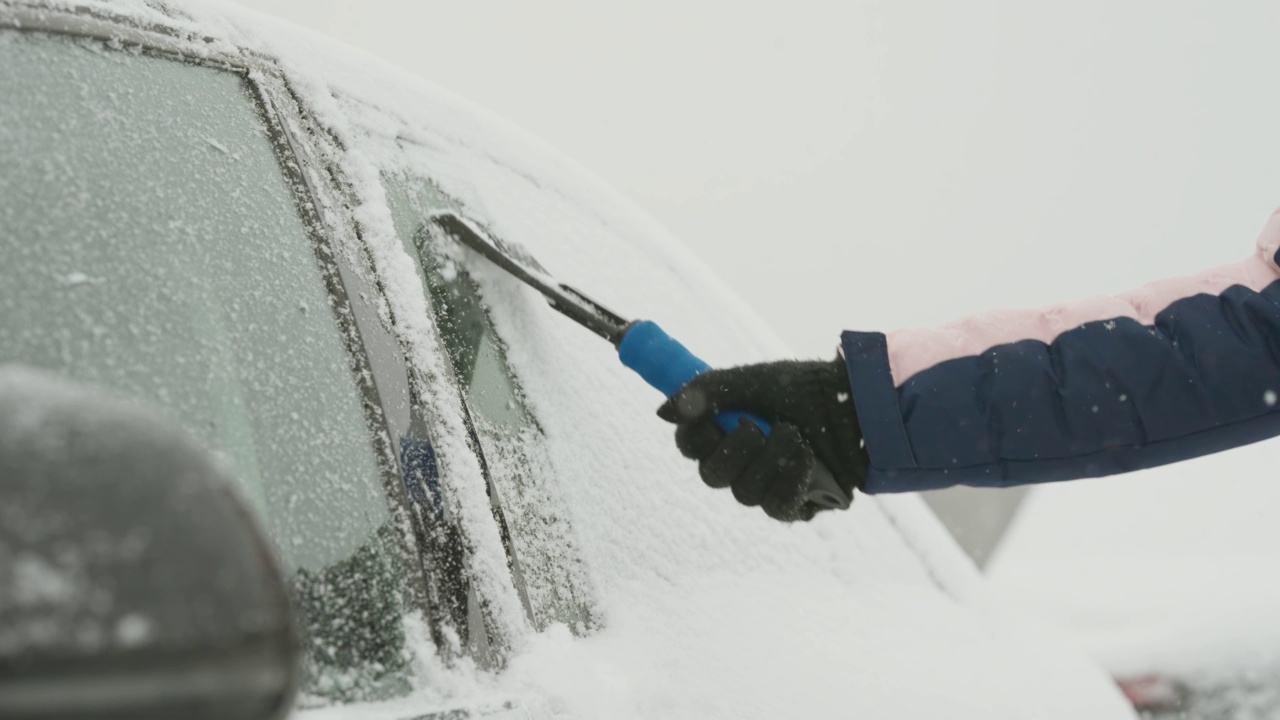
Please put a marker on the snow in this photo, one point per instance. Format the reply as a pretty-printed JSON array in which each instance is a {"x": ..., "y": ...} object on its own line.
[
  {"x": 74, "y": 278},
  {"x": 708, "y": 610},
  {"x": 217, "y": 146},
  {"x": 1171, "y": 570},
  {"x": 133, "y": 629},
  {"x": 37, "y": 581}
]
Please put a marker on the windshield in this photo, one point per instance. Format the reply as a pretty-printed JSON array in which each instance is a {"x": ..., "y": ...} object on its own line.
[{"x": 151, "y": 245}]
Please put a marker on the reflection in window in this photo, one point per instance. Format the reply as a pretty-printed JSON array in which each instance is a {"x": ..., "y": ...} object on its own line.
[{"x": 152, "y": 245}]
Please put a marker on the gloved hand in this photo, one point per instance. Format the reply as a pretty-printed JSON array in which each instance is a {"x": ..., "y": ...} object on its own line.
[{"x": 810, "y": 407}]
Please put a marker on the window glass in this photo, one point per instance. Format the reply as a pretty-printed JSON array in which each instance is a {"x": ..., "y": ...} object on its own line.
[
  {"x": 549, "y": 572},
  {"x": 151, "y": 244}
]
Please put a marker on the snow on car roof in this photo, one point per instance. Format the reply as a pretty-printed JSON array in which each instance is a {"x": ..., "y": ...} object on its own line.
[{"x": 709, "y": 610}]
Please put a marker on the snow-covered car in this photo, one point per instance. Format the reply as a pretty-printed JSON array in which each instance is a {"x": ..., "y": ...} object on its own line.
[
  {"x": 1169, "y": 584},
  {"x": 477, "y": 512}
]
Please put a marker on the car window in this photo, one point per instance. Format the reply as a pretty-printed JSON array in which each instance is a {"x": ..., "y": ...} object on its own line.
[
  {"x": 152, "y": 245},
  {"x": 549, "y": 573}
]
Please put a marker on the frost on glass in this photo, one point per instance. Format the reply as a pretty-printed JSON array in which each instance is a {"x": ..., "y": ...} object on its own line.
[
  {"x": 151, "y": 245},
  {"x": 548, "y": 569}
]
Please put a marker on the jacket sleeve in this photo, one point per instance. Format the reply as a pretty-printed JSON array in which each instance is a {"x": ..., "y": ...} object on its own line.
[{"x": 1176, "y": 369}]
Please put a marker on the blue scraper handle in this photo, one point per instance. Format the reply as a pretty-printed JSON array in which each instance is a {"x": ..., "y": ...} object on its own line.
[{"x": 668, "y": 366}]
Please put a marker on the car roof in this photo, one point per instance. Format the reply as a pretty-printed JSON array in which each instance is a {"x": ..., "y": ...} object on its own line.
[{"x": 709, "y": 610}]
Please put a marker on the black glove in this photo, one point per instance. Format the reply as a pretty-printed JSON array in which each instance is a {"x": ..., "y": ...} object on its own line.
[{"x": 811, "y": 409}]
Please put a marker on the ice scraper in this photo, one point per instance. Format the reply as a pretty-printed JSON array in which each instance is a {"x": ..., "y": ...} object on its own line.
[{"x": 642, "y": 346}]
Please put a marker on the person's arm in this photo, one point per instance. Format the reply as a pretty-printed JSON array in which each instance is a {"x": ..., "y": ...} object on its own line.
[{"x": 1176, "y": 369}]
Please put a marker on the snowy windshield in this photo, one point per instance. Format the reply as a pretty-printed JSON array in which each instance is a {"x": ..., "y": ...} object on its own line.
[{"x": 151, "y": 245}]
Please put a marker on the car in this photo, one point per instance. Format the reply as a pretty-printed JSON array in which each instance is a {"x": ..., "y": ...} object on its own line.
[
  {"x": 1165, "y": 577},
  {"x": 234, "y": 222}
]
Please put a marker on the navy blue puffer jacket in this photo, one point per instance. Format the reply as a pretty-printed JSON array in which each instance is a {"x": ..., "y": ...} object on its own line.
[{"x": 1176, "y": 369}]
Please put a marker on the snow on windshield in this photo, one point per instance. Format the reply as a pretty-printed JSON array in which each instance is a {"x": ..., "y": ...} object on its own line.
[{"x": 708, "y": 610}]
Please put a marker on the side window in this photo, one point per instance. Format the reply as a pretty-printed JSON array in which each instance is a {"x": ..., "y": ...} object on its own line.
[
  {"x": 152, "y": 244},
  {"x": 548, "y": 570}
]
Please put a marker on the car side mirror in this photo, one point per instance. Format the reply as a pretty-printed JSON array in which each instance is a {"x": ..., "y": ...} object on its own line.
[{"x": 134, "y": 581}]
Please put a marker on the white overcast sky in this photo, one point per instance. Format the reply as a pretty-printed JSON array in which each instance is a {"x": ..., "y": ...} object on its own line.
[{"x": 878, "y": 164}]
